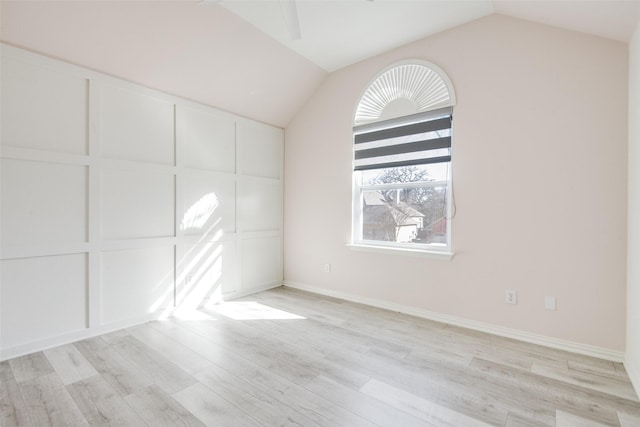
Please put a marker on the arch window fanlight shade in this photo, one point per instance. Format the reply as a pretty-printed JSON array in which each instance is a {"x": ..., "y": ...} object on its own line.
[
  {"x": 402, "y": 161},
  {"x": 403, "y": 90}
]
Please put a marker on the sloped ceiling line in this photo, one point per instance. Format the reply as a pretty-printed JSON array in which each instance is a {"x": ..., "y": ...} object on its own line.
[{"x": 338, "y": 33}]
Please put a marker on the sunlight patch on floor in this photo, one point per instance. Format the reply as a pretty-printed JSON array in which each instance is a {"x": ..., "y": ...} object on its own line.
[
  {"x": 191, "y": 314},
  {"x": 249, "y": 310}
]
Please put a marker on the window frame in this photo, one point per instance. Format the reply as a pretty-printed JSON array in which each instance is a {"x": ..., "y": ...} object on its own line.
[
  {"x": 430, "y": 250},
  {"x": 358, "y": 206}
]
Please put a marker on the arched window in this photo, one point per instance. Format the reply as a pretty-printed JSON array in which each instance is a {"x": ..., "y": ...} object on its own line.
[{"x": 402, "y": 160}]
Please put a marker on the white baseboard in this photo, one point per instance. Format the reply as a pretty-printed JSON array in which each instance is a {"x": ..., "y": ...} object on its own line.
[
  {"x": 585, "y": 349},
  {"x": 633, "y": 369},
  {"x": 255, "y": 290},
  {"x": 47, "y": 343},
  {"x": 573, "y": 347}
]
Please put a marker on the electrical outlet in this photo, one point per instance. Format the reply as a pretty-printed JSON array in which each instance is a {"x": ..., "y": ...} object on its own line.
[
  {"x": 511, "y": 296},
  {"x": 326, "y": 268},
  {"x": 550, "y": 302}
]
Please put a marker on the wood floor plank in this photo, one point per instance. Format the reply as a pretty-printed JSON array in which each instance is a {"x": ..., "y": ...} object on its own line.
[
  {"x": 597, "y": 382},
  {"x": 265, "y": 409},
  {"x": 629, "y": 420},
  {"x": 565, "y": 419},
  {"x": 446, "y": 334},
  {"x": 607, "y": 369},
  {"x": 322, "y": 411},
  {"x": 153, "y": 364},
  {"x": 359, "y": 403},
  {"x": 449, "y": 385},
  {"x": 312, "y": 406},
  {"x": 157, "y": 408},
  {"x": 335, "y": 333},
  {"x": 545, "y": 392},
  {"x": 620, "y": 367},
  {"x": 438, "y": 354},
  {"x": 307, "y": 333},
  {"x": 543, "y": 412},
  {"x": 348, "y": 325},
  {"x": 296, "y": 364},
  {"x": 301, "y": 308},
  {"x": 101, "y": 405},
  {"x": 517, "y": 420},
  {"x": 116, "y": 370},
  {"x": 402, "y": 330},
  {"x": 114, "y": 336},
  {"x": 49, "y": 404},
  {"x": 179, "y": 333},
  {"x": 269, "y": 355},
  {"x": 30, "y": 366},
  {"x": 212, "y": 409},
  {"x": 309, "y": 345},
  {"x": 13, "y": 411},
  {"x": 252, "y": 373},
  {"x": 70, "y": 365},
  {"x": 430, "y": 412},
  {"x": 188, "y": 360},
  {"x": 510, "y": 358}
]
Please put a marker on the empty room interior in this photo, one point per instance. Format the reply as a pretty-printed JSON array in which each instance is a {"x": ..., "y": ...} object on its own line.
[{"x": 320, "y": 213}]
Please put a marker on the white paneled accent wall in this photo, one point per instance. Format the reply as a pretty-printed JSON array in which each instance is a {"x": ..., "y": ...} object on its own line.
[{"x": 120, "y": 203}]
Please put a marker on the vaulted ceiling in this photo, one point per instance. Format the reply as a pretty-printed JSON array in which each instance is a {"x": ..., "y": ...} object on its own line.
[
  {"x": 336, "y": 33},
  {"x": 239, "y": 56}
]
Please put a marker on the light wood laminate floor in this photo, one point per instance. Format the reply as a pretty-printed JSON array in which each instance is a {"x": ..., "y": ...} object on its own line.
[{"x": 289, "y": 358}]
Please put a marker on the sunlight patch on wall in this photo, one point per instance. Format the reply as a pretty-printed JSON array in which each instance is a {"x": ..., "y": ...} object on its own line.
[{"x": 199, "y": 213}]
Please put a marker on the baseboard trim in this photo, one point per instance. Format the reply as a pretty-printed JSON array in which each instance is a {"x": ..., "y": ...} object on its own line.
[
  {"x": 67, "y": 338},
  {"x": 633, "y": 370},
  {"x": 559, "y": 344},
  {"x": 247, "y": 292},
  {"x": 584, "y": 349},
  {"x": 70, "y": 337}
]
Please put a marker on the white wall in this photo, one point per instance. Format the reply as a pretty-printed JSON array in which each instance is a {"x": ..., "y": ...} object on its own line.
[
  {"x": 632, "y": 361},
  {"x": 540, "y": 178},
  {"x": 196, "y": 50},
  {"x": 119, "y": 202}
]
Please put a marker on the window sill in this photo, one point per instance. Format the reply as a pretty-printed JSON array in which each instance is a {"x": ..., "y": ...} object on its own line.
[{"x": 421, "y": 253}]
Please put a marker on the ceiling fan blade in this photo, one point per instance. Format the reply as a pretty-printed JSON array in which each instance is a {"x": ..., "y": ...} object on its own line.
[{"x": 290, "y": 14}]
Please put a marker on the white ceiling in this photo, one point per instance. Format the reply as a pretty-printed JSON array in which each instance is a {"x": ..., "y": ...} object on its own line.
[{"x": 337, "y": 33}]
